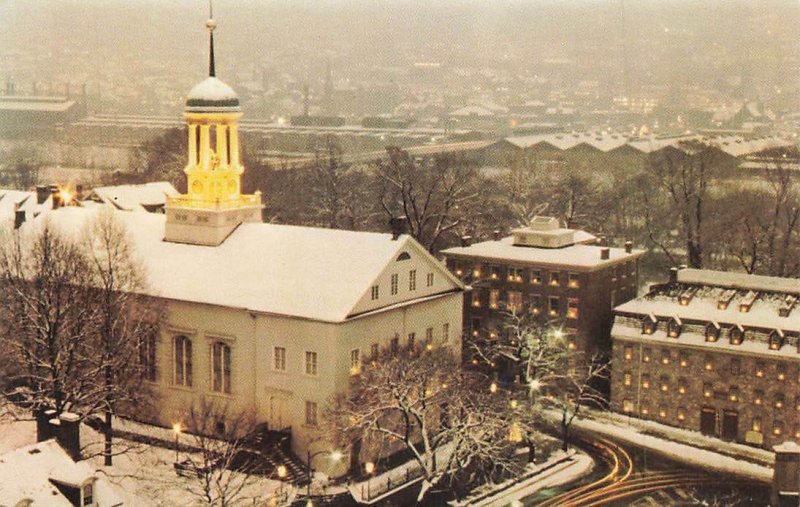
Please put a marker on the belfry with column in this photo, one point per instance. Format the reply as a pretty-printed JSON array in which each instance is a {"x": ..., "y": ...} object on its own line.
[{"x": 213, "y": 205}]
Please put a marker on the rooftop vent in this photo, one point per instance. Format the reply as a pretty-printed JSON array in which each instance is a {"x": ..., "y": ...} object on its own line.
[{"x": 544, "y": 232}]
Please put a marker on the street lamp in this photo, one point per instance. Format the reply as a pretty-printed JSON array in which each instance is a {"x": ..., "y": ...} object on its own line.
[
  {"x": 335, "y": 456},
  {"x": 369, "y": 468},
  {"x": 176, "y": 428},
  {"x": 282, "y": 472}
]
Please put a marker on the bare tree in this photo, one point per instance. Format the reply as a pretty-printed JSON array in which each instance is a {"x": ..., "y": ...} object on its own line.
[
  {"x": 420, "y": 401},
  {"x": 223, "y": 470},
  {"x": 436, "y": 195}
]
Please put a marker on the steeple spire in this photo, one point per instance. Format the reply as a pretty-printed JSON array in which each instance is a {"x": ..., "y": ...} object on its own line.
[{"x": 211, "y": 25}]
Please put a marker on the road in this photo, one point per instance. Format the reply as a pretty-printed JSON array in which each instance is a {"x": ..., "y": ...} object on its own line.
[{"x": 630, "y": 476}]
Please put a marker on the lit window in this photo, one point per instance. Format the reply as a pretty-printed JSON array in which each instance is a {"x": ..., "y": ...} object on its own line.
[
  {"x": 627, "y": 406},
  {"x": 572, "y": 308},
  {"x": 571, "y": 345},
  {"x": 429, "y": 280},
  {"x": 477, "y": 271},
  {"x": 758, "y": 397},
  {"x": 780, "y": 400},
  {"x": 775, "y": 340},
  {"x": 355, "y": 361},
  {"x": 708, "y": 363},
  {"x": 147, "y": 356},
  {"x": 645, "y": 381},
  {"x": 494, "y": 298},
  {"x": 514, "y": 300},
  {"x": 708, "y": 390},
  {"x": 664, "y": 383},
  {"x": 735, "y": 335},
  {"x": 535, "y": 304},
  {"x": 681, "y": 413},
  {"x": 221, "y": 368},
  {"x": 279, "y": 356},
  {"x": 683, "y": 359},
  {"x": 457, "y": 269},
  {"x": 628, "y": 353},
  {"x": 644, "y": 410},
  {"x": 554, "y": 279},
  {"x": 311, "y": 363},
  {"x": 536, "y": 276},
  {"x": 777, "y": 428},
  {"x": 733, "y": 393},
  {"x": 394, "y": 283},
  {"x": 445, "y": 333},
  {"x": 756, "y": 426},
  {"x": 759, "y": 369},
  {"x": 626, "y": 378},
  {"x": 662, "y": 412},
  {"x": 780, "y": 373},
  {"x": 712, "y": 333},
  {"x": 553, "y": 306},
  {"x": 681, "y": 385},
  {"x": 375, "y": 292},
  {"x": 183, "y": 361},
  {"x": 429, "y": 336},
  {"x": 666, "y": 356},
  {"x": 515, "y": 274},
  {"x": 648, "y": 325},
  {"x": 574, "y": 281},
  {"x": 412, "y": 279},
  {"x": 373, "y": 351},
  {"x": 476, "y": 326},
  {"x": 674, "y": 328},
  {"x": 311, "y": 413},
  {"x": 646, "y": 356},
  {"x": 412, "y": 340}
]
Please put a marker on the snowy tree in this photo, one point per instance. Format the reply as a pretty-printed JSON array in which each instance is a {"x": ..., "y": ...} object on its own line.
[
  {"x": 222, "y": 469},
  {"x": 420, "y": 401}
]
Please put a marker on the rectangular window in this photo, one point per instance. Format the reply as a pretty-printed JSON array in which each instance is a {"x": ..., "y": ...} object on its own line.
[
  {"x": 183, "y": 361},
  {"x": 514, "y": 300},
  {"x": 373, "y": 351},
  {"x": 515, "y": 274},
  {"x": 554, "y": 279},
  {"x": 394, "y": 345},
  {"x": 375, "y": 292},
  {"x": 412, "y": 279},
  {"x": 476, "y": 326},
  {"x": 666, "y": 356},
  {"x": 311, "y": 413},
  {"x": 494, "y": 272},
  {"x": 494, "y": 298},
  {"x": 759, "y": 369},
  {"x": 535, "y": 304},
  {"x": 683, "y": 359},
  {"x": 572, "y": 308},
  {"x": 708, "y": 363},
  {"x": 445, "y": 333},
  {"x": 628, "y": 352},
  {"x": 394, "y": 283},
  {"x": 627, "y": 379},
  {"x": 758, "y": 397},
  {"x": 147, "y": 357},
  {"x": 279, "y": 356},
  {"x": 311, "y": 363},
  {"x": 627, "y": 406},
  {"x": 412, "y": 338},
  {"x": 221, "y": 368},
  {"x": 646, "y": 355},
  {"x": 645, "y": 381},
  {"x": 553, "y": 306},
  {"x": 536, "y": 276},
  {"x": 574, "y": 281},
  {"x": 429, "y": 280},
  {"x": 355, "y": 361},
  {"x": 429, "y": 336}
]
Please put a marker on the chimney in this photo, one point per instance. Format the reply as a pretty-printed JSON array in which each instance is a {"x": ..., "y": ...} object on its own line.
[
  {"x": 19, "y": 216},
  {"x": 398, "y": 226},
  {"x": 496, "y": 234},
  {"x": 41, "y": 193},
  {"x": 78, "y": 191},
  {"x": 605, "y": 253},
  {"x": 67, "y": 433},
  {"x": 54, "y": 191},
  {"x": 466, "y": 240},
  {"x": 44, "y": 430},
  {"x": 602, "y": 241},
  {"x": 628, "y": 246},
  {"x": 673, "y": 275}
]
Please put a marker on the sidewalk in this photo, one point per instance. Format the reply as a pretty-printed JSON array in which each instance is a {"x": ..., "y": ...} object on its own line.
[
  {"x": 685, "y": 446},
  {"x": 560, "y": 468}
]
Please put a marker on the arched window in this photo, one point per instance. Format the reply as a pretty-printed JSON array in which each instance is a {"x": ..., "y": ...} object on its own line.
[
  {"x": 221, "y": 368},
  {"x": 776, "y": 339},
  {"x": 712, "y": 332},
  {"x": 183, "y": 361},
  {"x": 736, "y": 335},
  {"x": 404, "y": 256},
  {"x": 674, "y": 327},
  {"x": 147, "y": 356}
]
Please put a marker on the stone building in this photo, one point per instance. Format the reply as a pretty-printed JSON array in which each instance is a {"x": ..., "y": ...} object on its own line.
[
  {"x": 712, "y": 351},
  {"x": 560, "y": 276}
]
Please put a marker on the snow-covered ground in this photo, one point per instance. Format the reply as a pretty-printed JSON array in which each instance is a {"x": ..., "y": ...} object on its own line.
[
  {"x": 669, "y": 445},
  {"x": 143, "y": 476}
]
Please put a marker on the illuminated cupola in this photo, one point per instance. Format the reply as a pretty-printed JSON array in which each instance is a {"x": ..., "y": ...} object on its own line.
[{"x": 213, "y": 205}]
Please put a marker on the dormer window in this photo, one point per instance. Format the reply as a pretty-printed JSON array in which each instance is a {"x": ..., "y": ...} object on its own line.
[
  {"x": 686, "y": 296},
  {"x": 649, "y": 325},
  {"x": 712, "y": 332},
  {"x": 674, "y": 327},
  {"x": 776, "y": 339},
  {"x": 725, "y": 299},
  {"x": 736, "y": 335},
  {"x": 747, "y": 302}
]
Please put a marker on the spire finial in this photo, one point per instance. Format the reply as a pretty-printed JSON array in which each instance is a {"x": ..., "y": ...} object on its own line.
[{"x": 211, "y": 25}]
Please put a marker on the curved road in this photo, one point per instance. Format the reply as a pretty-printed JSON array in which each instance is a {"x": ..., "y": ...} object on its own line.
[{"x": 628, "y": 476}]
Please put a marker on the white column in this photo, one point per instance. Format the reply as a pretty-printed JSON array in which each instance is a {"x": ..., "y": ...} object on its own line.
[
  {"x": 205, "y": 150},
  {"x": 222, "y": 146},
  {"x": 234, "y": 129},
  {"x": 192, "y": 145}
]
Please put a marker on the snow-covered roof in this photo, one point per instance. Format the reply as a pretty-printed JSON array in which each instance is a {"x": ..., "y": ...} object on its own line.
[
  {"x": 136, "y": 197},
  {"x": 575, "y": 256},
  {"x": 29, "y": 473},
  {"x": 42, "y": 104},
  {"x": 211, "y": 94},
  {"x": 305, "y": 272},
  {"x": 472, "y": 111},
  {"x": 742, "y": 281},
  {"x": 601, "y": 141}
]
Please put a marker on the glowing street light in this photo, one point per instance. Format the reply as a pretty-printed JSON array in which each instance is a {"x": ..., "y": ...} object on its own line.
[
  {"x": 493, "y": 387},
  {"x": 335, "y": 456},
  {"x": 177, "y": 429}
]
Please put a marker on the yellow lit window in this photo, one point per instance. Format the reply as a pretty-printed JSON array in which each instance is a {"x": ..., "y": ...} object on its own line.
[
  {"x": 627, "y": 406},
  {"x": 681, "y": 413},
  {"x": 572, "y": 308},
  {"x": 554, "y": 279},
  {"x": 662, "y": 413},
  {"x": 756, "y": 426},
  {"x": 628, "y": 354},
  {"x": 627, "y": 379},
  {"x": 573, "y": 281},
  {"x": 645, "y": 381},
  {"x": 682, "y": 389},
  {"x": 494, "y": 298}
]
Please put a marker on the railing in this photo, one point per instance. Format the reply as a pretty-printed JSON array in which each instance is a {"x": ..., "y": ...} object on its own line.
[
  {"x": 184, "y": 201},
  {"x": 374, "y": 488}
]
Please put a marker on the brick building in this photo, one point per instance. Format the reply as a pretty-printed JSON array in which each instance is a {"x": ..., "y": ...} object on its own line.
[
  {"x": 559, "y": 275},
  {"x": 712, "y": 351}
]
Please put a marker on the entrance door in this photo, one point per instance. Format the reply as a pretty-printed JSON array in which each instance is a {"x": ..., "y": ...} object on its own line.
[
  {"x": 276, "y": 421},
  {"x": 730, "y": 425},
  {"x": 708, "y": 421}
]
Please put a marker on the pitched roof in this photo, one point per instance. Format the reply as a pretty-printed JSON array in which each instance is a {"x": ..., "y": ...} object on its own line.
[
  {"x": 305, "y": 272},
  {"x": 135, "y": 197}
]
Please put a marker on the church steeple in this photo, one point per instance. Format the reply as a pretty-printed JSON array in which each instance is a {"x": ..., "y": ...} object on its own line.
[{"x": 213, "y": 205}]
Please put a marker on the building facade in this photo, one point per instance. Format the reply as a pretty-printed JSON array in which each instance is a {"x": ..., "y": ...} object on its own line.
[
  {"x": 558, "y": 276},
  {"x": 715, "y": 352}
]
